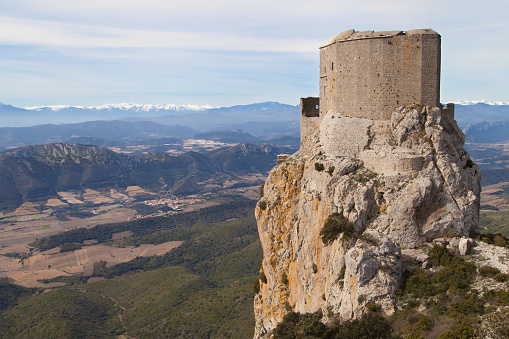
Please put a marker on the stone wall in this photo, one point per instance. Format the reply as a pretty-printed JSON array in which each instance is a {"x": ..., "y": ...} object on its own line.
[
  {"x": 369, "y": 74},
  {"x": 309, "y": 115}
]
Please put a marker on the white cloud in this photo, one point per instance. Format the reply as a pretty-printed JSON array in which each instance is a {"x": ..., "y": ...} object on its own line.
[{"x": 42, "y": 33}]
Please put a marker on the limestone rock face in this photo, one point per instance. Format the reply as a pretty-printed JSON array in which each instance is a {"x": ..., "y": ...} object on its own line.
[{"x": 431, "y": 189}]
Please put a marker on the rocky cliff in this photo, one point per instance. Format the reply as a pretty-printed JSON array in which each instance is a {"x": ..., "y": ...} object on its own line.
[{"x": 333, "y": 227}]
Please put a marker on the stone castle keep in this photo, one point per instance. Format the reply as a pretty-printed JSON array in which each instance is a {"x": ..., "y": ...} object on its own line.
[{"x": 364, "y": 77}]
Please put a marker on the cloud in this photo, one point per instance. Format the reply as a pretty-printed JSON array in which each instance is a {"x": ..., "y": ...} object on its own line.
[{"x": 43, "y": 33}]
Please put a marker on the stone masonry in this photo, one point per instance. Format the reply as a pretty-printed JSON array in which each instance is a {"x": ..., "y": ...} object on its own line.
[{"x": 364, "y": 77}]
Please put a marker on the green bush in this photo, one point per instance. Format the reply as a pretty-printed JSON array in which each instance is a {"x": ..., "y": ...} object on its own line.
[
  {"x": 315, "y": 268},
  {"x": 501, "y": 277},
  {"x": 319, "y": 166},
  {"x": 284, "y": 278},
  {"x": 256, "y": 286},
  {"x": 420, "y": 283},
  {"x": 457, "y": 275},
  {"x": 416, "y": 326},
  {"x": 440, "y": 256},
  {"x": 342, "y": 272},
  {"x": 262, "y": 277},
  {"x": 370, "y": 325},
  {"x": 334, "y": 226},
  {"x": 373, "y": 307},
  {"x": 488, "y": 271},
  {"x": 262, "y": 204},
  {"x": 296, "y": 325},
  {"x": 470, "y": 304},
  {"x": 331, "y": 170},
  {"x": 463, "y": 331}
]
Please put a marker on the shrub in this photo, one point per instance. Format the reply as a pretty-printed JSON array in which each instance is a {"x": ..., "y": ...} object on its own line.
[
  {"x": 457, "y": 275},
  {"x": 284, "y": 278},
  {"x": 315, "y": 268},
  {"x": 319, "y": 166},
  {"x": 440, "y": 256},
  {"x": 486, "y": 240},
  {"x": 331, "y": 170},
  {"x": 256, "y": 286},
  {"x": 497, "y": 297},
  {"x": 373, "y": 307},
  {"x": 463, "y": 331},
  {"x": 488, "y": 271},
  {"x": 494, "y": 239},
  {"x": 420, "y": 284},
  {"x": 296, "y": 325},
  {"x": 469, "y": 164},
  {"x": 334, "y": 226},
  {"x": 370, "y": 325},
  {"x": 499, "y": 240},
  {"x": 262, "y": 204},
  {"x": 342, "y": 272},
  {"x": 470, "y": 304},
  {"x": 501, "y": 277},
  {"x": 262, "y": 189},
  {"x": 415, "y": 328}
]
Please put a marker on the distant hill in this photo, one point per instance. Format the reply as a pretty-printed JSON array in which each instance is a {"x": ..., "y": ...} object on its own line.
[
  {"x": 38, "y": 172},
  {"x": 97, "y": 130},
  {"x": 232, "y": 136},
  {"x": 487, "y": 132},
  {"x": 469, "y": 114}
]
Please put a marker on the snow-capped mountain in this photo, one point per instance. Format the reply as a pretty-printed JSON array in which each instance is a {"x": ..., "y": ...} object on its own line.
[
  {"x": 126, "y": 107},
  {"x": 198, "y": 116},
  {"x": 475, "y": 102}
]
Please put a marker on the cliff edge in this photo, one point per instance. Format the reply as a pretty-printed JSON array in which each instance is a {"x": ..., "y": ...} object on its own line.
[{"x": 333, "y": 227}]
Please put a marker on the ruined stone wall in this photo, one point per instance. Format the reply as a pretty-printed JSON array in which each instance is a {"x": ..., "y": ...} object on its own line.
[
  {"x": 368, "y": 74},
  {"x": 309, "y": 115}
]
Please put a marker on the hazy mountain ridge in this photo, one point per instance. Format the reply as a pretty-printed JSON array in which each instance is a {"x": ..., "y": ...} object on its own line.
[
  {"x": 38, "y": 172},
  {"x": 108, "y": 130},
  {"x": 21, "y": 117},
  {"x": 487, "y": 132}
]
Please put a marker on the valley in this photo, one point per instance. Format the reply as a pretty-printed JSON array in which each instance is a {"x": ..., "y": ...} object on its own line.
[{"x": 147, "y": 231}]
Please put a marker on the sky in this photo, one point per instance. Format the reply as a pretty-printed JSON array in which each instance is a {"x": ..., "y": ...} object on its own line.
[{"x": 226, "y": 52}]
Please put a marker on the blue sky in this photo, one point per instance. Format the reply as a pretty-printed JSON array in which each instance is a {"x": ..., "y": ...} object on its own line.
[{"x": 225, "y": 52}]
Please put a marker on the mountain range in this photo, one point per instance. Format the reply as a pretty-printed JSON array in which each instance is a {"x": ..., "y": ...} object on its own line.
[
  {"x": 38, "y": 172},
  {"x": 206, "y": 117}
]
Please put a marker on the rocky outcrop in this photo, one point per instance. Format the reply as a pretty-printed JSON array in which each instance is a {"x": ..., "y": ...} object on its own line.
[{"x": 389, "y": 210}]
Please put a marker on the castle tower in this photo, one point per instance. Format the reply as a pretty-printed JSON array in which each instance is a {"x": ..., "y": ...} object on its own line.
[{"x": 368, "y": 74}]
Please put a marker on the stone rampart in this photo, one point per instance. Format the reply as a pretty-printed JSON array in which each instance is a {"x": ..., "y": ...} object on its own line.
[
  {"x": 391, "y": 163},
  {"x": 309, "y": 115}
]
